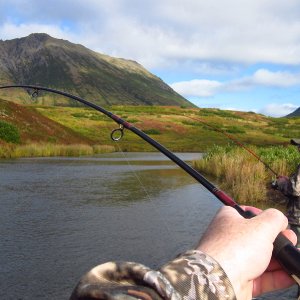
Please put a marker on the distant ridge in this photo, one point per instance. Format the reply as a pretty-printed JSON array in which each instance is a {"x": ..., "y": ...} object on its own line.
[
  {"x": 43, "y": 60},
  {"x": 295, "y": 113}
]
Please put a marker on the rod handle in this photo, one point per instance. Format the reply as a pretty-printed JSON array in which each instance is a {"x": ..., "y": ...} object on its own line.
[{"x": 287, "y": 255}]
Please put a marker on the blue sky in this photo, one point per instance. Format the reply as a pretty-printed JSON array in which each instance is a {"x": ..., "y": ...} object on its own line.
[{"x": 229, "y": 54}]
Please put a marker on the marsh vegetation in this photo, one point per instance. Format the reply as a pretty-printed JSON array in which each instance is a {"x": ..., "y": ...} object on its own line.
[{"x": 242, "y": 175}]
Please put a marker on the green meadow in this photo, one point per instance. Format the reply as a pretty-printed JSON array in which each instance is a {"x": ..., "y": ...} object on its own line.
[{"x": 179, "y": 129}]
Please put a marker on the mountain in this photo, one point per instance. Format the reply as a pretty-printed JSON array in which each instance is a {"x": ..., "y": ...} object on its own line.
[
  {"x": 295, "y": 113},
  {"x": 43, "y": 60}
]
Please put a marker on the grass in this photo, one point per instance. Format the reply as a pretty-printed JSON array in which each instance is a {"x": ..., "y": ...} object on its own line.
[
  {"x": 177, "y": 128},
  {"x": 241, "y": 175},
  {"x": 9, "y": 132},
  {"x": 172, "y": 126},
  {"x": 282, "y": 159},
  {"x": 45, "y": 150}
]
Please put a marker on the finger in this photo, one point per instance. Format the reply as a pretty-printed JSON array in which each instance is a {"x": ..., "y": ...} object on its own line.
[
  {"x": 227, "y": 213},
  {"x": 271, "y": 281},
  {"x": 272, "y": 221},
  {"x": 291, "y": 235},
  {"x": 274, "y": 266},
  {"x": 253, "y": 209}
]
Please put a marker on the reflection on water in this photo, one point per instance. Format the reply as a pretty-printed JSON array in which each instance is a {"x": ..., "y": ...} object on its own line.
[{"x": 61, "y": 216}]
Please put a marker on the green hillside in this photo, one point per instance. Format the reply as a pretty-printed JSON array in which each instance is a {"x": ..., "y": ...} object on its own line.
[
  {"x": 34, "y": 127},
  {"x": 179, "y": 129}
]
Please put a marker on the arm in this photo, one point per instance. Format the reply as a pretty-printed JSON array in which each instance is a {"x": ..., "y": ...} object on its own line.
[
  {"x": 283, "y": 184},
  {"x": 193, "y": 275},
  {"x": 289, "y": 186},
  {"x": 230, "y": 241}
]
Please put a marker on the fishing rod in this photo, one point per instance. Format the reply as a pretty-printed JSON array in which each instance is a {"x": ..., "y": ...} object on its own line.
[
  {"x": 235, "y": 141},
  {"x": 284, "y": 251}
]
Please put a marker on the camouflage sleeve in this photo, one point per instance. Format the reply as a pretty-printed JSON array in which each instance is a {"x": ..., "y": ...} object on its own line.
[
  {"x": 290, "y": 186},
  {"x": 295, "y": 181},
  {"x": 193, "y": 275},
  {"x": 284, "y": 185}
]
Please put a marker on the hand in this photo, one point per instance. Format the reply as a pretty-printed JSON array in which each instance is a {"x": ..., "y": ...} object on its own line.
[
  {"x": 243, "y": 247},
  {"x": 281, "y": 180}
]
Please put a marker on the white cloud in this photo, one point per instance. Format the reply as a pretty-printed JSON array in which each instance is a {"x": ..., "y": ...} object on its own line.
[
  {"x": 11, "y": 31},
  {"x": 264, "y": 77},
  {"x": 278, "y": 110},
  {"x": 278, "y": 78},
  {"x": 261, "y": 78},
  {"x": 159, "y": 33},
  {"x": 197, "y": 88},
  {"x": 209, "y": 38}
]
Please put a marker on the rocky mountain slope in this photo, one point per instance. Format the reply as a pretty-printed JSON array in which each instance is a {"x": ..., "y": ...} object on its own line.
[
  {"x": 43, "y": 60},
  {"x": 295, "y": 113}
]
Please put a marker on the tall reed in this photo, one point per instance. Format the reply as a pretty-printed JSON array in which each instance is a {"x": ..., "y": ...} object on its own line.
[
  {"x": 243, "y": 176},
  {"x": 44, "y": 150},
  {"x": 282, "y": 159}
]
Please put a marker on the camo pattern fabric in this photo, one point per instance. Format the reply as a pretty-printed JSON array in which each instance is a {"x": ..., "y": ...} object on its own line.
[
  {"x": 295, "y": 180},
  {"x": 290, "y": 187},
  {"x": 193, "y": 275},
  {"x": 293, "y": 211}
]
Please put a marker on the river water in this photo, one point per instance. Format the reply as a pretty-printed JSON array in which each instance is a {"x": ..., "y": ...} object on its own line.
[{"x": 60, "y": 217}]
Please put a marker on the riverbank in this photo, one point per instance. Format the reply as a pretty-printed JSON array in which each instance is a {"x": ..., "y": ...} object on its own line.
[{"x": 44, "y": 150}]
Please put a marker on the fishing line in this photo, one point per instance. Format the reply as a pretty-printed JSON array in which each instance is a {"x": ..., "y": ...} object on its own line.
[
  {"x": 116, "y": 138},
  {"x": 235, "y": 141}
]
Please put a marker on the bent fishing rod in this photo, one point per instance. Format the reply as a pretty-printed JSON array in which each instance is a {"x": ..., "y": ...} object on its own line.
[{"x": 284, "y": 251}]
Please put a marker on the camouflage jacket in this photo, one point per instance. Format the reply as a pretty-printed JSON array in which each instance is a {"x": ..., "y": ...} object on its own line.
[
  {"x": 192, "y": 275},
  {"x": 290, "y": 187}
]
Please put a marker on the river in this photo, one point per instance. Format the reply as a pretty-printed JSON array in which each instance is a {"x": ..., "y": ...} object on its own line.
[{"x": 61, "y": 216}]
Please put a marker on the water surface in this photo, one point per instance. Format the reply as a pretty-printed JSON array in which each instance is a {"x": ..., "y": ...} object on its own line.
[{"x": 60, "y": 217}]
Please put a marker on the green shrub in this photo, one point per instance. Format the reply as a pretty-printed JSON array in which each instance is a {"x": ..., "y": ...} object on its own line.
[
  {"x": 96, "y": 117},
  {"x": 218, "y": 112},
  {"x": 131, "y": 120},
  {"x": 289, "y": 156},
  {"x": 192, "y": 123},
  {"x": 151, "y": 131},
  {"x": 9, "y": 132},
  {"x": 79, "y": 115},
  {"x": 235, "y": 129}
]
